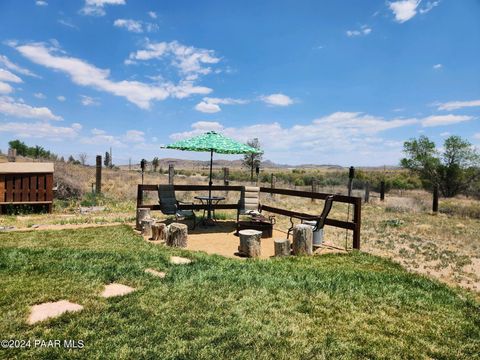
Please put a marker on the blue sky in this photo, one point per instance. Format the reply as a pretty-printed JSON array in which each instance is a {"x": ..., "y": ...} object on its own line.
[{"x": 342, "y": 82}]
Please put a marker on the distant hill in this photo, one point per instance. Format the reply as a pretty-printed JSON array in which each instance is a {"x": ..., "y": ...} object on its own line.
[{"x": 198, "y": 164}]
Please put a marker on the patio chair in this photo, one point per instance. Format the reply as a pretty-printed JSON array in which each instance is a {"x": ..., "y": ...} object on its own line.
[
  {"x": 249, "y": 203},
  {"x": 169, "y": 204},
  {"x": 320, "y": 220}
]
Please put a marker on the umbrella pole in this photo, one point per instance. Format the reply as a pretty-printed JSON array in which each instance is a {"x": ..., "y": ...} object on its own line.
[{"x": 209, "y": 213}]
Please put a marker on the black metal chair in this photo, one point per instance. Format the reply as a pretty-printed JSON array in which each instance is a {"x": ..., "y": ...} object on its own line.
[
  {"x": 169, "y": 204},
  {"x": 320, "y": 220}
]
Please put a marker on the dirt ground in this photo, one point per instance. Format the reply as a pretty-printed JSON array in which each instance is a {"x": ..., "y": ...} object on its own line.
[{"x": 221, "y": 240}]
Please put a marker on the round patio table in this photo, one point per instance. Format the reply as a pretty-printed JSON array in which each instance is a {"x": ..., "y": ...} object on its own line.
[{"x": 210, "y": 202}]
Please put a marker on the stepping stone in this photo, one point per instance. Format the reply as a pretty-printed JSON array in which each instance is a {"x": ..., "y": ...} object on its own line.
[
  {"x": 177, "y": 260},
  {"x": 115, "y": 289},
  {"x": 47, "y": 310},
  {"x": 153, "y": 272}
]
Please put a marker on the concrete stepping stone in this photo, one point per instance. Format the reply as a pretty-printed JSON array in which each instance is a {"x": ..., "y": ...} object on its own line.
[
  {"x": 154, "y": 272},
  {"x": 47, "y": 310},
  {"x": 178, "y": 260},
  {"x": 115, "y": 289}
]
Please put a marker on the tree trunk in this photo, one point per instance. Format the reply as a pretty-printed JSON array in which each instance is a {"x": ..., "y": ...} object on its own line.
[
  {"x": 142, "y": 214},
  {"x": 302, "y": 240},
  {"x": 159, "y": 231},
  {"x": 282, "y": 247},
  {"x": 250, "y": 243},
  {"x": 177, "y": 235},
  {"x": 147, "y": 227}
]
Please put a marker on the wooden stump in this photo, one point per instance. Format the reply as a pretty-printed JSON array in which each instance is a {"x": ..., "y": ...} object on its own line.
[
  {"x": 250, "y": 242},
  {"x": 147, "y": 227},
  {"x": 302, "y": 240},
  {"x": 177, "y": 235},
  {"x": 159, "y": 231},
  {"x": 282, "y": 247},
  {"x": 142, "y": 214}
]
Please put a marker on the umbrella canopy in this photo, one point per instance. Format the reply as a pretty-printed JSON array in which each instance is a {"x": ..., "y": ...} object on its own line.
[{"x": 212, "y": 142}]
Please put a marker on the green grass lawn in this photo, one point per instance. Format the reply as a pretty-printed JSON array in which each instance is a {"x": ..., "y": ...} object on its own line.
[{"x": 333, "y": 306}]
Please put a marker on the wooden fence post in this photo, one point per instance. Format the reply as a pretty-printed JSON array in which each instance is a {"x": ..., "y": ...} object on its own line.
[
  {"x": 314, "y": 188},
  {"x": 357, "y": 219},
  {"x": 435, "y": 199},
  {"x": 272, "y": 183},
  {"x": 367, "y": 192},
  {"x": 171, "y": 173},
  {"x": 382, "y": 190},
  {"x": 139, "y": 196},
  {"x": 12, "y": 154},
  {"x": 98, "y": 179},
  {"x": 226, "y": 175}
]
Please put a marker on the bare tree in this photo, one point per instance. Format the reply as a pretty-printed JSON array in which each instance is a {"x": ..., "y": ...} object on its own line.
[{"x": 83, "y": 158}]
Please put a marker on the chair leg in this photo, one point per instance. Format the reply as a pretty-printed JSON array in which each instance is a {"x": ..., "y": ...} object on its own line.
[{"x": 194, "y": 221}]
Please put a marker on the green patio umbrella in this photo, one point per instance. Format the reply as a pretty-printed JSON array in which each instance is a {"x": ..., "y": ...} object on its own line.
[{"x": 212, "y": 142}]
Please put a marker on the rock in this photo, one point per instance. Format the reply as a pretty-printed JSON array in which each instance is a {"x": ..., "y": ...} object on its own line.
[
  {"x": 47, "y": 310},
  {"x": 177, "y": 260},
  {"x": 115, "y": 289},
  {"x": 154, "y": 272}
]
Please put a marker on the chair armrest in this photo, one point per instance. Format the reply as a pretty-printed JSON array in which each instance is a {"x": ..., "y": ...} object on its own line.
[{"x": 185, "y": 202}]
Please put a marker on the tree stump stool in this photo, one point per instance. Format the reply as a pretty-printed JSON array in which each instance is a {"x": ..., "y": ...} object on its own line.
[
  {"x": 177, "y": 235},
  {"x": 147, "y": 227},
  {"x": 250, "y": 243},
  {"x": 302, "y": 240},
  {"x": 282, "y": 247},
  {"x": 159, "y": 231},
  {"x": 142, "y": 214}
]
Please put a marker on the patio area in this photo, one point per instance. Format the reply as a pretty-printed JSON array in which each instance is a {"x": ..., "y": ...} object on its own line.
[{"x": 221, "y": 240}]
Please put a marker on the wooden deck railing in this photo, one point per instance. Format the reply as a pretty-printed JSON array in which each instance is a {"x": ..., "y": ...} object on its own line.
[{"x": 354, "y": 225}]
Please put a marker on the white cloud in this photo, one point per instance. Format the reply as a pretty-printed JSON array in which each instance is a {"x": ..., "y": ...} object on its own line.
[
  {"x": 445, "y": 134},
  {"x": 89, "y": 101},
  {"x": 344, "y": 136},
  {"x": 14, "y": 67},
  {"x": 96, "y": 7},
  {"x": 85, "y": 74},
  {"x": 101, "y": 137},
  {"x": 277, "y": 100},
  {"x": 67, "y": 23},
  {"x": 211, "y": 105},
  {"x": 429, "y": 6},
  {"x": 8, "y": 106},
  {"x": 404, "y": 10},
  {"x": 41, "y": 130},
  {"x": 39, "y": 95},
  {"x": 437, "y": 66},
  {"x": 134, "y": 136},
  {"x": 477, "y": 136},
  {"x": 61, "y": 98},
  {"x": 129, "y": 24},
  {"x": 5, "y": 88},
  {"x": 41, "y": 3},
  {"x": 7, "y": 76},
  {"x": 96, "y": 131},
  {"x": 454, "y": 105},
  {"x": 189, "y": 60},
  {"x": 364, "y": 30},
  {"x": 206, "y": 107},
  {"x": 152, "y": 14},
  {"x": 440, "y": 120}
]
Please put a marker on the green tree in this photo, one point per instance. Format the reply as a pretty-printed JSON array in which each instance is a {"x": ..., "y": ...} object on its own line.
[
  {"x": 106, "y": 161},
  {"x": 22, "y": 149},
  {"x": 155, "y": 163},
  {"x": 251, "y": 161},
  {"x": 453, "y": 170}
]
